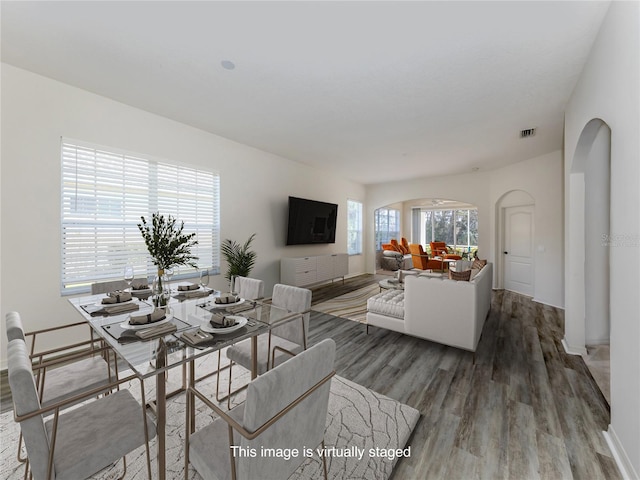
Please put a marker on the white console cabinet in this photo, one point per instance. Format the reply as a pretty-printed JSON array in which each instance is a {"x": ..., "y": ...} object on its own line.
[{"x": 304, "y": 271}]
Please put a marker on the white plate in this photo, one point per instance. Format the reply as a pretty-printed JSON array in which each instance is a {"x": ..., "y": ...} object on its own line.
[
  {"x": 213, "y": 304},
  {"x": 126, "y": 325},
  {"x": 240, "y": 322}
]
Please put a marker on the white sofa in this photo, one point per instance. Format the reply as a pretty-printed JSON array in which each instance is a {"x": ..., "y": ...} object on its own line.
[{"x": 434, "y": 308}]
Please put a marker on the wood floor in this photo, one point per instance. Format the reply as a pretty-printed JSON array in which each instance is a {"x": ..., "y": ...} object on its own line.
[{"x": 523, "y": 410}]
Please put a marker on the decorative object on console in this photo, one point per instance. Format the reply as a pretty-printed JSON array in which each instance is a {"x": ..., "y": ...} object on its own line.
[{"x": 240, "y": 259}]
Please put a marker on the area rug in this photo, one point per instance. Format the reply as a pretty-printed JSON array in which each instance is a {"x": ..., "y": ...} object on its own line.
[
  {"x": 357, "y": 417},
  {"x": 352, "y": 305}
]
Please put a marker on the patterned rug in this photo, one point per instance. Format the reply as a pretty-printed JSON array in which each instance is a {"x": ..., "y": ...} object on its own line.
[
  {"x": 352, "y": 305},
  {"x": 357, "y": 417}
]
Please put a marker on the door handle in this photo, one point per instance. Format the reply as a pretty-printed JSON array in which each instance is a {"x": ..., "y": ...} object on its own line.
[{"x": 506, "y": 253}]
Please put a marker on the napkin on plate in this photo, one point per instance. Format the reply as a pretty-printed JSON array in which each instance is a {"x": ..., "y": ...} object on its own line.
[
  {"x": 116, "y": 297},
  {"x": 139, "y": 286},
  {"x": 186, "y": 288},
  {"x": 153, "y": 317},
  {"x": 226, "y": 298},
  {"x": 218, "y": 320}
]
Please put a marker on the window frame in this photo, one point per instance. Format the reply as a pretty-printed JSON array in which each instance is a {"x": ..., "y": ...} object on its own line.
[
  {"x": 105, "y": 190},
  {"x": 385, "y": 237},
  {"x": 355, "y": 231}
]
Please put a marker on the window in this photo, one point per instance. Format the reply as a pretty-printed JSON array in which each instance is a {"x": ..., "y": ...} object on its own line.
[
  {"x": 458, "y": 228},
  {"x": 104, "y": 194},
  {"x": 387, "y": 225},
  {"x": 354, "y": 227}
]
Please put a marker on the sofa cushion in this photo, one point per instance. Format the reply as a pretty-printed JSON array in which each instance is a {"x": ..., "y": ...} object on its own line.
[{"x": 389, "y": 302}]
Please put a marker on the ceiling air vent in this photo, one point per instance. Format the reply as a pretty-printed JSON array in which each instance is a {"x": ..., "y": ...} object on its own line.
[{"x": 529, "y": 132}]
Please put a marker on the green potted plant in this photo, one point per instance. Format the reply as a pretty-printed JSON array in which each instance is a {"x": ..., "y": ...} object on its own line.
[
  {"x": 240, "y": 258},
  {"x": 168, "y": 247}
]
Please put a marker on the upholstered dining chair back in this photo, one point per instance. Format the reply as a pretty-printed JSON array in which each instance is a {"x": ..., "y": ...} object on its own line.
[
  {"x": 285, "y": 408},
  {"x": 294, "y": 299},
  {"x": 249, "y": 288},
  {"x": 14, "y": 327},
  {"x": 106, "y": 287},
  {"x": 87, "y": 438},
  {"x": 25, "y": 400},
  {"x": 304, "y": 424}
]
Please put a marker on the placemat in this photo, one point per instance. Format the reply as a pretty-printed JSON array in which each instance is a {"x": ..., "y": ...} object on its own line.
[{"x": 116, "y": 331}]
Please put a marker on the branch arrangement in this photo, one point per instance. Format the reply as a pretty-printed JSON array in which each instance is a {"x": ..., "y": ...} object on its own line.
[{"x": 166, "y": 243}]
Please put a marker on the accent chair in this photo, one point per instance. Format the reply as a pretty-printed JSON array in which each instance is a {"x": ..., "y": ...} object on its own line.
[{"x": 422, "y": 261}]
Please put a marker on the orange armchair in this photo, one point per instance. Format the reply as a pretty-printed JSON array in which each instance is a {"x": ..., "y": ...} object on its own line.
[
  {"x": 405, "y": 245},
  {"x": 440, "y": 249},
  {"x": 421, "y": 260},
  {"x": 398, "y": 247}
]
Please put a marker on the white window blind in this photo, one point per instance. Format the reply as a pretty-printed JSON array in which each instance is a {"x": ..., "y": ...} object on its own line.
[
  {"x": 354, "y": 227},
  {"x": 104, "y": 194}
]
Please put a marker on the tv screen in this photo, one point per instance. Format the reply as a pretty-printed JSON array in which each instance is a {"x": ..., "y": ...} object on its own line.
[{"x": 311, "y": 222}]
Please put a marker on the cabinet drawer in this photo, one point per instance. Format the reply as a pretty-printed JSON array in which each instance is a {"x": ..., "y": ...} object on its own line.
[
  {"x": 305, "y": 278},
  {"x": 305, "y": 264}
]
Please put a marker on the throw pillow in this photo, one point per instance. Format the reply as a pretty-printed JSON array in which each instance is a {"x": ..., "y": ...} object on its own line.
[
  {"x": 474, "y": 272},
  {"x": 460, "y": 276},
  {"x": 477, "y": 263}
]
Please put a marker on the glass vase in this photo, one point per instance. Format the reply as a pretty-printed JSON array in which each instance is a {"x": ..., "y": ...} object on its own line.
[{"x": 160, "y": 289}]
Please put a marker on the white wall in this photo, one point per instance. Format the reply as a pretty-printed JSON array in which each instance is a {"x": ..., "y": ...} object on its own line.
[
  {"x": 37, "y": 111},
  {"x": 540, "y": 177},
  {"x": 609, "y": 89}
]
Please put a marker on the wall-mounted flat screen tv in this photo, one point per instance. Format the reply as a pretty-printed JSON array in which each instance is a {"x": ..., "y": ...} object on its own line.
[{"x": 311, "y": 221}]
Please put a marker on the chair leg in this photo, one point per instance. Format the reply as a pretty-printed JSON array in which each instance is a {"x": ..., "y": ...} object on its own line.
[
  {"x": 124, "y": 472},
  {"x": 26, "y": 469},
  {"x": 20, "y": 459},
  {"x": 229, "y": 391},
  {"x": 324, "y": 462}
]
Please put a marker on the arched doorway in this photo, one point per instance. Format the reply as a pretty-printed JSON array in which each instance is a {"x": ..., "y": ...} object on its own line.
[
  {"x": 515, "y": 213},
  {"x": 587, "y": 317},
  {"x": 587, "y": 314}
]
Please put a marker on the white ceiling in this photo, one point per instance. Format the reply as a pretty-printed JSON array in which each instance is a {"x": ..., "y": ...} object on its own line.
[{"x": 377, "y": 91}]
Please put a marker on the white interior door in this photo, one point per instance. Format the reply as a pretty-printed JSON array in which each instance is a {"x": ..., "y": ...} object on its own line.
[{"x": 518, "y": 249}]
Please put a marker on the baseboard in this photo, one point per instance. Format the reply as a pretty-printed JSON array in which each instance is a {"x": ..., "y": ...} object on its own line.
[
  {"x": 537, "y": 300},
  {"x": 573, "y": 350},
  {"x": 620, "y": 455}
]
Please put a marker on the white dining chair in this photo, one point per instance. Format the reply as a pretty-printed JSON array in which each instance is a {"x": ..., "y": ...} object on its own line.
[
  {"x": 248, "y": 289},
  {"x": 286, "y": 409},
  {"x": 81, "y": 441},
  {"x": 66, "y": 371},
  {"x": 282, "y": 342}
]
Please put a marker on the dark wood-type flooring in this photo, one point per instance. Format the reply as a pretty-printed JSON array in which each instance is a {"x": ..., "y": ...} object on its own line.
[{"x": 523, "y": 410}]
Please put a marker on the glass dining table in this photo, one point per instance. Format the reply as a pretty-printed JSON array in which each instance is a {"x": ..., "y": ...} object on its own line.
[{"x": 154, "y": 357}]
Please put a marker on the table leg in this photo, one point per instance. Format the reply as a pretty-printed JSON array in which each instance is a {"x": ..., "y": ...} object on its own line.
[
  {"x": 161, "y": 408},
  {"x": 254, "y": 357}
]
